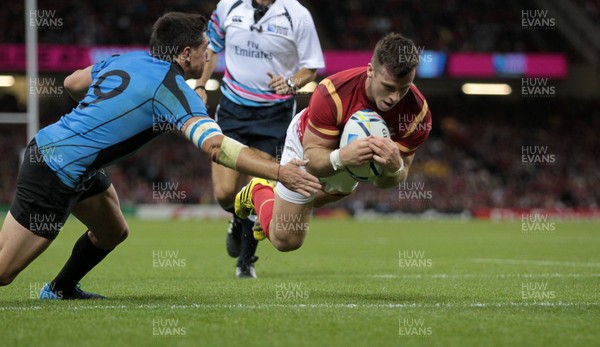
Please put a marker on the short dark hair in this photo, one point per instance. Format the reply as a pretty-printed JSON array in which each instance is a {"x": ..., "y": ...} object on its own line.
[
  {"x": 397, "y": 54},
  {"x": 174, "y": 31}
]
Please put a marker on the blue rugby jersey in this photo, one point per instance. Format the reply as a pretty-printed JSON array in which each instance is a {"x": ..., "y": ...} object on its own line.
[{"x": 133, "y": 98}]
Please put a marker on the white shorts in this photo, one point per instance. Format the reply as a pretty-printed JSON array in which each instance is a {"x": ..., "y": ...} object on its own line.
[{"x": 339, "y": 184}]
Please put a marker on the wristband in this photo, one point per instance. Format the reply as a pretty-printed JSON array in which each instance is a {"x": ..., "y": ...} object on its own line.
[
  {"x": 201, "y": 130},
  {"x": 395, "y": 173},
  {"x": 200, "y": 87},
  {"x": 335, "y": 160}
]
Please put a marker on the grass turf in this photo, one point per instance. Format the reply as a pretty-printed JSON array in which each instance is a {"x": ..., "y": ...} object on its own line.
[{"x": 353, "y": 283}]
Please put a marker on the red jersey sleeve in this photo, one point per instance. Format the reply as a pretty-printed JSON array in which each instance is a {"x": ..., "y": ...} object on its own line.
[
  {"x": 325, "y": 111},
  {"x": 415, "y": 122},
  {"x": 409, "y": 144}
]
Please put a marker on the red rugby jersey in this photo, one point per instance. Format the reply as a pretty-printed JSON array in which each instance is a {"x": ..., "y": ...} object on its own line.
[{"x": 339, "y": 96}]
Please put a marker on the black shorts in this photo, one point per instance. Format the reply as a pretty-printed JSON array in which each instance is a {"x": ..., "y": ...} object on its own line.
[
  {"x": 42, "y": 202},
  {"x": 263, "y": 128}
]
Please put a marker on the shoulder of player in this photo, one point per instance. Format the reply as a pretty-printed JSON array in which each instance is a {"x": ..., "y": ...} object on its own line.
[
  {"x": 345, "y": 77},
  {"x": 130, "y": 54},
  {"x": 227, "y": 4},
  {"x": 126, "y": 60},
  {"x": 415, "y": 100},
  {"x": 417, "y": 95},
  {"x": 296, "y": 12},
  {"x": 340, "y": 85},
  {"x": 228, "y": 8}
]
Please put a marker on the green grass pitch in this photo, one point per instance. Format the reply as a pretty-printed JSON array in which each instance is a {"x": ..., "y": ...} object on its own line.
[{"x": 353, "y": 283}]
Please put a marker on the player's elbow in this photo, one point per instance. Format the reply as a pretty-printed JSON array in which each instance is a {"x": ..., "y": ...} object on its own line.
[
  {"x": 69, "y": 83},
  {"x": 74, "y": 87},
  {"x": 212, "y": 147},
  {"x": 75, "y": 81}
]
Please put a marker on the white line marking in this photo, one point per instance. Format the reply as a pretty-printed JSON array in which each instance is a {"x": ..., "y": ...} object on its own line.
[
  {"x": 300, "y": 306},
  {"x": 534, "y": 262},
  {"x": 481, "y": 276}
]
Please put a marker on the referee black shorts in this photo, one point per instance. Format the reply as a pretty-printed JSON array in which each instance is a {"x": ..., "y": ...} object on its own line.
[
  {"x": 263, "y": 128},
  {"x": 42, "y": 202}
]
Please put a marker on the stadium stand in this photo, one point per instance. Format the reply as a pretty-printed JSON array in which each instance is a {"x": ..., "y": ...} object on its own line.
[{"x": 431, "y": 25}]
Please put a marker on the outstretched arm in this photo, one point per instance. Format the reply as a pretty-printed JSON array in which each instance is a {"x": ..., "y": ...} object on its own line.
[{"x": 206, "y": 134}]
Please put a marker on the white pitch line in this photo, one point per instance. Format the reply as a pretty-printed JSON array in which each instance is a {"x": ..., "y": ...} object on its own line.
[
  {"x": 301, "y": 306},
  {"x": 534, "y": 262},
  {"x": 481, "y": 276}
]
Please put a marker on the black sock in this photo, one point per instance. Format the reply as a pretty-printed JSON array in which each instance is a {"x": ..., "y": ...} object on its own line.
[
  {"x": 249, "y": 243},
  {"x": 236, "y": 220},
  {"x": 83, "y": 258}
]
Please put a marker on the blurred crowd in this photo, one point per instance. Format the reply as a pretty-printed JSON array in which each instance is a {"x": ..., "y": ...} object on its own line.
[
  {"x": 472, "y": 159},
  {"x": 99, "y": 22},
  {"x": 475, "y": 159},
  {"x": 452, "y": 25}
]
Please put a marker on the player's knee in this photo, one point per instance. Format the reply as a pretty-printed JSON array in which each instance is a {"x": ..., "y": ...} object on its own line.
[
  {"x": 224, "y": 199},
  {"x": 288, "y": 245},
  {"x": 112, "y": 239},
  {"x": 120, "y": 235},
  {"x": 224, "y": 195},
  {"x": 124, "y": 234},
  {"x": 289, "y": 240},
  {"x": 117, "y": 237}
]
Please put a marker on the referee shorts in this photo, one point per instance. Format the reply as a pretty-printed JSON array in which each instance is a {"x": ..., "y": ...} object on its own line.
[
  {"x": 42, "y": 201},
  {"x": 262, "y": 128}
]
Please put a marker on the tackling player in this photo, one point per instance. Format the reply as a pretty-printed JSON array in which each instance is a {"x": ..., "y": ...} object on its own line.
[
  {"x": 121, "y": 100},
  {"x": 385, "y": 86}
]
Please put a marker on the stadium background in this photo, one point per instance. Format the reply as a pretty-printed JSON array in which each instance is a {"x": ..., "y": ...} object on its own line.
[{"x": 473, "y": 160}]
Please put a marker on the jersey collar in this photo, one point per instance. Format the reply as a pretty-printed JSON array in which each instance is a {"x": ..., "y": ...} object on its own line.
[
  {"x": 275, "y": 9},
  {"x": 178, "y": 68}
]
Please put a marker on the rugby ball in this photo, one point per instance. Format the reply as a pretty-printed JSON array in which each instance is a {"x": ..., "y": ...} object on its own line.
[{"x": 360, "y": 125}]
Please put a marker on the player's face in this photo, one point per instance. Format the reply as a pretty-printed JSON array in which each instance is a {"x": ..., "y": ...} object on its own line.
[
  {"x": 198, "y": 56},
  {"x": 384, "y": 90}
]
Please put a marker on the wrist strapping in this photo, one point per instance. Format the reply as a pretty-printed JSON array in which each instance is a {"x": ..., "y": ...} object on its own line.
[
  {"x": 230, "y": 151},
  {"x": 336, "y": 162}
]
